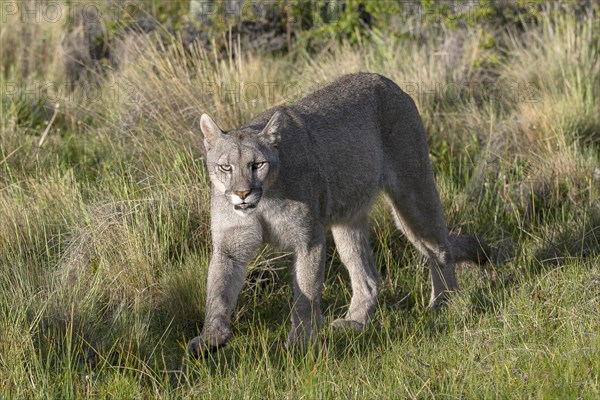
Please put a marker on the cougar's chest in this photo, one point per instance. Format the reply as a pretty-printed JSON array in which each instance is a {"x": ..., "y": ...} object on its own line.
[{"x": 285, "y": 224}]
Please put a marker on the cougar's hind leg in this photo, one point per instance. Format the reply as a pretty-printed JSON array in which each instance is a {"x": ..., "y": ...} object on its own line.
[
  {"x": 352, "y": 243},
  {"x": 419, "y": 214}
]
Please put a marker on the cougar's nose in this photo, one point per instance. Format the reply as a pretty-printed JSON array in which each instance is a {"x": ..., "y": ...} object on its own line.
[{"x": 242, "y": 194}]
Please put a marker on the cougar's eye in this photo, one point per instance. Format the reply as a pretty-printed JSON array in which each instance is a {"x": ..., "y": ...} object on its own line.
[
  {"x": 225, "y": 167},
  {"x": 258, "y": 165}
]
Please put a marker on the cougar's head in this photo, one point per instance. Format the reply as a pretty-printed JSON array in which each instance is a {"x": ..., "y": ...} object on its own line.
[{"x": 243, "y": 163}]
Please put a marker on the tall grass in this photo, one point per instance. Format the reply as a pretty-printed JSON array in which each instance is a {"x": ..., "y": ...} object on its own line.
[{"x": 104, "y": 238}]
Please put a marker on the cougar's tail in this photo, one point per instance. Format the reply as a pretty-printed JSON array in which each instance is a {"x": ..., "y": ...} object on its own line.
[{"x": 470, "y": 248}]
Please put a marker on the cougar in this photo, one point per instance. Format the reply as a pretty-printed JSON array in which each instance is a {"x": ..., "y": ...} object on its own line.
[{"x": 296, "y": 171}]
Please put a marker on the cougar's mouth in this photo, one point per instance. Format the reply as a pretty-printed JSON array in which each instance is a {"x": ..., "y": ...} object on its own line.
[{"x": 244, "y": 206}]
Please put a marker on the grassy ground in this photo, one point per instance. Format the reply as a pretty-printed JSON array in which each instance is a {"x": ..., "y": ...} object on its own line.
[{"x": 104, "y": 240}]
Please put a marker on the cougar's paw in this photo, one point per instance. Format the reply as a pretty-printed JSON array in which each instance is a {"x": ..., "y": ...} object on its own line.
[
  {"x": 207, "y": 343},
  {"x": 348, "y": 325},
  {"x": 197, "y": 348},
  {"x": 301, "y": 339},
  {"x": 439, "y": 302}
]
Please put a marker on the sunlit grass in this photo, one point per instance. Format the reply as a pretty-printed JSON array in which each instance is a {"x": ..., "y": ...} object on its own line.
[{"x": 104, "y": 230}]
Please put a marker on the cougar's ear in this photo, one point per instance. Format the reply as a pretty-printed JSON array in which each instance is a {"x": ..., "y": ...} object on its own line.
[
  {"x": 272, "y": 131},
  {"x": 210, "y": 130}
]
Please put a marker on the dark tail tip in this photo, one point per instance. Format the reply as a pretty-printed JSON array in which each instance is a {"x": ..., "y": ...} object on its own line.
[{"x": 470, "y": 248}]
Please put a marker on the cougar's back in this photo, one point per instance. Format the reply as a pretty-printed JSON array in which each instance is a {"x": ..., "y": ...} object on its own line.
[{"x": 342, "y": 144}]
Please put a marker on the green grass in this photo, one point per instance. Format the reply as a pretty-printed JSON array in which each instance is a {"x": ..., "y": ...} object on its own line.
[{"x": 104, "y": 229}]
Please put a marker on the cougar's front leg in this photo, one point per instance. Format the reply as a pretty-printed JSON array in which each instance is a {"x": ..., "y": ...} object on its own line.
[
  {"x": 226, "y": 274},
  {"x": 309, "y": 274},
  {"x": 352, "y": 242}
]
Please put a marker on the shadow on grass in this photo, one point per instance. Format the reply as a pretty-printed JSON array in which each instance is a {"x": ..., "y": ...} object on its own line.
[
  {"x": 98, "y": 339},
  {"x": 580, "y": 242},
  {"x": 333, "y": 348}
]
